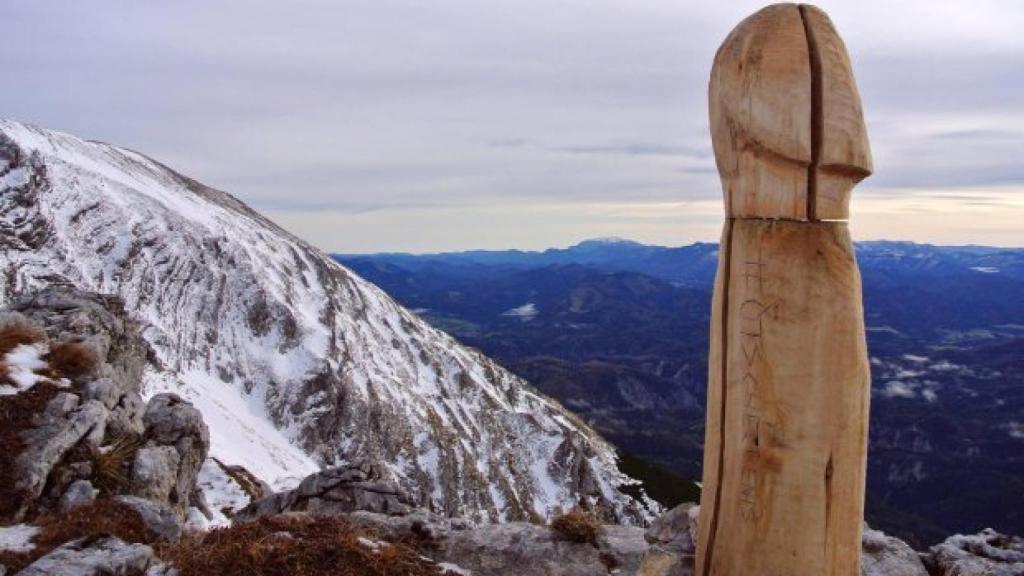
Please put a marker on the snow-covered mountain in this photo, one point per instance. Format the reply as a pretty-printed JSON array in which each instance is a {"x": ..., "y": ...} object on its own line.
[{"x": 294, "y": 361}]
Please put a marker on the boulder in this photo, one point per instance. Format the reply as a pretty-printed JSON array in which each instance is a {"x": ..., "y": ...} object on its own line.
[
  {"x": 883, "y": 555},
  {"x": 159, "y": 520},
  {"x": 672, "y": 538},
  {"x": 675, "y": 530},
  {"x": 333, "y": 491},
  {"x": 987, "y": 553},
  {"x": 63, "y": 425},
  {"x": 94, "y": 557},
  {"x": 79, "y": 493},
  {"x": 171, "y": 423},
  {"x": 97, "y": 321},
  {"x": 155, "y": 473}
]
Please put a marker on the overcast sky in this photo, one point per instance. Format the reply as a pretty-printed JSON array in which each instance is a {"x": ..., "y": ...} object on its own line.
[{"x": 450, "y": 124}]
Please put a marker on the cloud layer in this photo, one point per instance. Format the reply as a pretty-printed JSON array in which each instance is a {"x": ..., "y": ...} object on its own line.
[{"x": 384, "y": 125}]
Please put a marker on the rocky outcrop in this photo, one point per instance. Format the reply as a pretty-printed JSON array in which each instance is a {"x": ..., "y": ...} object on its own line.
[
  {"x": 988, "y": 553},
  {"x": 295, "y": 362},
  {"x": 91, "y": 435},
  {"x": 334, "y": 491},
  {"x": 98, "y": 557},
  {"x": 673, "y": 543},
  {"x": 177, "y": 442},
  {"x": 519, "y": 548},
  {"x": 883, "y": 555}
]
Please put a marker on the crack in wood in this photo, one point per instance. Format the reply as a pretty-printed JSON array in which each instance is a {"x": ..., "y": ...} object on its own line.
[
  {"x": 817, "y": 116},
  {"x": 723, "y": 385}
]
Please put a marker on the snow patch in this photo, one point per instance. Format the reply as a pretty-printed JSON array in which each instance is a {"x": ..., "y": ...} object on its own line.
[
  {"x": 447, "y": 567},
  {"x": 18, "y": 537},
  {"x": 222, "y": 493},
  {"x": 985, "y": 269},
  {"x": 240, "y": 430},
  {"x": 22, "y": 364},
  {"x": 525, "y": 312}
]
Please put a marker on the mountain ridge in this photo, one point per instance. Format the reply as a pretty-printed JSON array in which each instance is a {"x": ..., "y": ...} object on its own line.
[{"x": 295, "y": 361}]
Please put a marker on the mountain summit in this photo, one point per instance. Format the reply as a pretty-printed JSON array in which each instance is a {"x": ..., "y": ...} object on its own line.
[{"x": 295, "y": 362}]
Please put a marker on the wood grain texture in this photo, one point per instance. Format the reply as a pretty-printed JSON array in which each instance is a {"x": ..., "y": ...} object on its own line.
[
  {"x": 760, "y": 104},
  {"x": 787, "y": 404},
  {"x": 786, "y": 117},
  {"x": 788, "y": 376},
  {"x": 843, "y": 156}
]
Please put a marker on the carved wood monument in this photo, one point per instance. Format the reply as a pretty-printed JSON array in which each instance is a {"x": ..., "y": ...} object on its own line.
[{"x": 787, "y": 409}]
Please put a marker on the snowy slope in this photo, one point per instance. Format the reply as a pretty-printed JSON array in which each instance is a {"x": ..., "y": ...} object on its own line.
[{"x": 294, "y": 360}]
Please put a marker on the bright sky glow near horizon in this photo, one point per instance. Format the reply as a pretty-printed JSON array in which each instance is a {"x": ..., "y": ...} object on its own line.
[{"x": 385, "y": 125}]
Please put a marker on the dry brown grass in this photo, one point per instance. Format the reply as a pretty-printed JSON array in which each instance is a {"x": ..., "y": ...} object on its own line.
[
  {"x": 100, "y": 518},
  {"x": 5, "y": 376},
  {"x": 14, "y": 335},
  {"x": 292, "y": 546},
  {"x": 70, "y": 360},
  {"x": 110, "y": 466},
  {"x": 578, "y": 526}
]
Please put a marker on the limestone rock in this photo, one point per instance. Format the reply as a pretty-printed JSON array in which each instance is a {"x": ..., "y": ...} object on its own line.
[
  {"x": 987, "y": 553},
  {"x": 155, "y": 473},
  {"x": 79, "y": 493},
  {"x": 159, "y": 520},
  {"x": 675, "y": 529},
  {"x": 171, "y": 424},
  {"x": 63, "y": 425},
  {"x": 883, "y": 555},
  {"x": 672, "y": 539},
  {"x": 102, "y": 557},
  {"x": 518, "y": 548},
  {"x": 333, "y": 491},
  {"x": 97, "y": 321},
  {"x": 94, "y": 431}
]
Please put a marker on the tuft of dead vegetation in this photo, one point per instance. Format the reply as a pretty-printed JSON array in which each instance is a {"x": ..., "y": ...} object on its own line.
[
  {"x": 110, "y": 463},
  {"x": 14, "y": 335},
  {"x": 70, "y": 360},
  {"x": 101, "y": 518},
  {"x": 578, "y": 526},
  {"x": 293, "y": 546}
]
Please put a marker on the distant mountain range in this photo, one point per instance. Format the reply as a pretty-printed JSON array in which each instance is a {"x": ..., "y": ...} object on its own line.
[{"x": 617, "y": 331}]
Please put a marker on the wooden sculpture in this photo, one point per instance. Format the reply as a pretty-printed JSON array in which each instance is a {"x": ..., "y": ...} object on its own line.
[{"x": 788, "y": 391}]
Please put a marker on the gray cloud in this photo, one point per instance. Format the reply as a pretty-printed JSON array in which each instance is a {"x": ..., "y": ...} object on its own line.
[
  {"x": 372, "y": 106},
  {"x": 639, "y": 149}
]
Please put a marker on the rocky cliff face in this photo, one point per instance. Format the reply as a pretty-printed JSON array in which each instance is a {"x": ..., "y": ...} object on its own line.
[
  {"x": 72, "y": 418},
  {"x": 294, "y": 361}
]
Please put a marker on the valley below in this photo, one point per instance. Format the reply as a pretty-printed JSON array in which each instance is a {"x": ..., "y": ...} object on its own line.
[{"x": 617, "y": 331}]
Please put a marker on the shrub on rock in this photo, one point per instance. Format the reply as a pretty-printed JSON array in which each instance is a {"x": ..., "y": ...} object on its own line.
[
  {"x": 293, "y": 545},
  {"x": 578, "y": 526}
]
